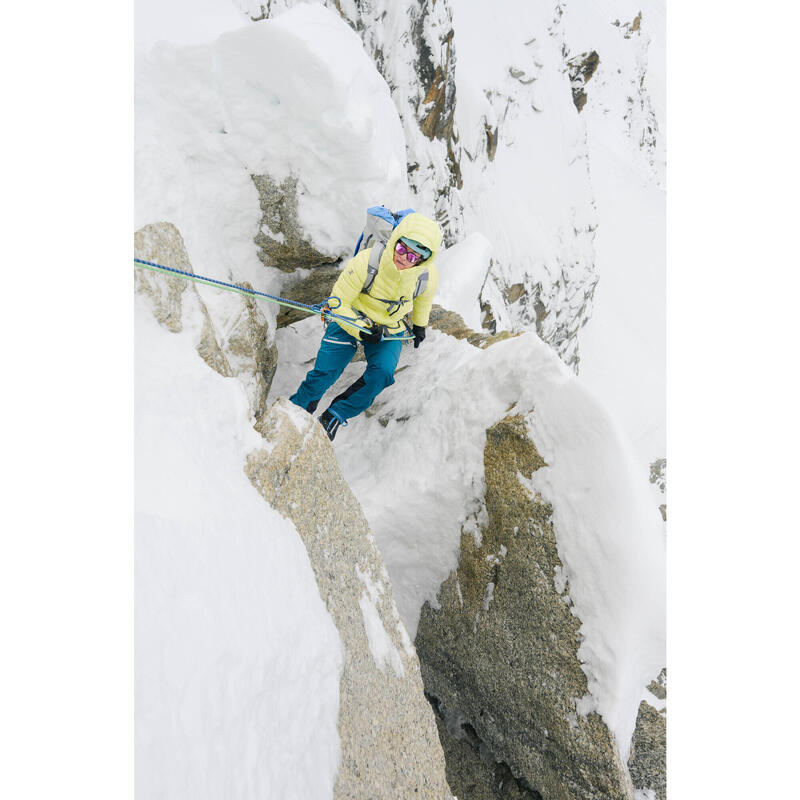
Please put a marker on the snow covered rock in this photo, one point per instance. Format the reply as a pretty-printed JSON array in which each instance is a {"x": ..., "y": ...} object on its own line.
[
  {"x": 658, "y": 477},
  {"x": 581, "y": 70},
  {"x": 526, "y": 177},
  {"x": 389, "y": 743},
  {"x": 453, "y": 324},
  {"x": 162, "y": 243},
  {"x": 236, "y": 338},
  {"x": 282, "y": 242},
  {"x": 411, "y": 43},
  {"x": 500, "y": 652}
]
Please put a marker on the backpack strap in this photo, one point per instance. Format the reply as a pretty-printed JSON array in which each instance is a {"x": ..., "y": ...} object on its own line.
[
  {"x": 422, "y": 284},
  {"x": 372, "y": 266}
]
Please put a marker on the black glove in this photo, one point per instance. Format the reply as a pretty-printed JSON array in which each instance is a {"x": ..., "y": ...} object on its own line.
[
  {"x": 419, "y": 335},
  {"x": 375, "y": 335}
]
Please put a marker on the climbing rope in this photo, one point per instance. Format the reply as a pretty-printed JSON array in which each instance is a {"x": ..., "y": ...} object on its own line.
[{"x": 323, "y": 309}]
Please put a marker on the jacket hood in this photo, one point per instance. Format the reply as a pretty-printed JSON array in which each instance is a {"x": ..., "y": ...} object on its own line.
[{"x": 420, "y": 228}]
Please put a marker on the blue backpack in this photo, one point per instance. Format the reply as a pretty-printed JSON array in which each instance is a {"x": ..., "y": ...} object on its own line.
[{"x": 380, "y": 224}]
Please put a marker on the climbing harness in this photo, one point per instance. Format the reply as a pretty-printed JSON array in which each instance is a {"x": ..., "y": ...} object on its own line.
[{"x": 324, "y": 309}]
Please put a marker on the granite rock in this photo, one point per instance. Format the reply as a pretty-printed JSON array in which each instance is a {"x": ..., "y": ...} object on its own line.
[
  {"x": 162, "y": 243},
  {"x": 499, "y": 652},
  {"x": 648, "y": 759},
  {"x": 390, "y": 747},
  {"x": 281, "y": 241},
  {"x": 234, "y": 337}
]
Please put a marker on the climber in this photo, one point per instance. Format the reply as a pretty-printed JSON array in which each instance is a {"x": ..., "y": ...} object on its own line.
[{"x": 378, "y": 303}]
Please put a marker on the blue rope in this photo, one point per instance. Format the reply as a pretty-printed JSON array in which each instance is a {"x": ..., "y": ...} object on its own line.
[
  {"x": 217, "y": 282},
  {"x": 274, "y": 298}
]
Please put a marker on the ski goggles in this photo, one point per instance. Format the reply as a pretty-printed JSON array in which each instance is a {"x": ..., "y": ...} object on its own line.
[{"x": 411, "y": 256}]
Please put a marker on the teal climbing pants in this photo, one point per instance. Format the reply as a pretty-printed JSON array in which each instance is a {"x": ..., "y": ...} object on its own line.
[{"x": 335, "y": 352}]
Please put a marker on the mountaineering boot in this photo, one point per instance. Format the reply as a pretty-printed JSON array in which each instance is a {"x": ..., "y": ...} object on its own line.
[{"x": 331, "y": 421}]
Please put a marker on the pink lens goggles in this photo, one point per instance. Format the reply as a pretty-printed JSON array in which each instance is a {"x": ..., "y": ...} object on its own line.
[{"x": 411, "y": 256}]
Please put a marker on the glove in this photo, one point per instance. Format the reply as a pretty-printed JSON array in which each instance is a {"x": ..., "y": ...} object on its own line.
[
  {"x": 419, "y": 335},
  {"x": 375, "y": 335}
]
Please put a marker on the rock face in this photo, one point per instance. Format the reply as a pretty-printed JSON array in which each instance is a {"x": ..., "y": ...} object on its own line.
[
  {"x": 499, "y": 654},
  {"x": 581, "y": 69},
  {"x": 390, "y": 748},
  {"x": 453, "y": 325},
  {"x": 235, "y": 339},
  {"x": 648, "y": 760},
  {"x": 280, "y": 238},
  {"x": 471, "y": 770},
  {"x": 556, "y": 308},
  {"x": 658, "y": 477},
  {"x": 314, "y": 288},
  {"x": 163, "y": 244}
]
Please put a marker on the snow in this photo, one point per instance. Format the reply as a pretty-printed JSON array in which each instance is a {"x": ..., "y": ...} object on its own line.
[
  {"x": 609, "y": 532},
  {"x": 623, "y": 346},
  {"x": 630, "y": 311},
  {"x": 574, "y": 194},
  {"x": 188, "y": 22},
  {"x": 217, "y": 101},
  {"x": 294, "y": 97},
  {"x": 237, "y": 660},
  {"x": 380, "y": 643},
  {"x": 462, "y": 271},
  {"x": 534, "y": 200}
]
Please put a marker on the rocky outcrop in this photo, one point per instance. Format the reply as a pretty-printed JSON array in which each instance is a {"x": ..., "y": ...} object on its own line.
[
  {"x": 390, "y": 748},
  {"x": 453, "y": 325},
  {"x": 472, "y": 771},
  {"x": 581, "y": 69},
  {"x": 630, "y": 27},
  {"x": 648, "y": 760},
  {"x": 436, "y": 73},
  {"x": 313, "y": 288},
  {"x": 499, "y": 653},
  {"x": 162, "y": 243},
  {"x": 426, "y": 106},
  {"x": 640, "y": 119},
  {"x": 280, "y": 238},
  {"x": 234, "y": 339},
  {"x": 556, "y": 310},
  {"x": 658, "y": 477}
]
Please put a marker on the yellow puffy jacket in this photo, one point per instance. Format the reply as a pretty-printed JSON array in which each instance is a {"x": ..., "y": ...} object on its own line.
[{"x": 391, "y": 295}]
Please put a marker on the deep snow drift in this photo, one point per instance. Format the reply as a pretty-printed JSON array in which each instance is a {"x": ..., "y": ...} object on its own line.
[
  {"x": 284, "y": 98},
  {"x": 237, "y": 660}
]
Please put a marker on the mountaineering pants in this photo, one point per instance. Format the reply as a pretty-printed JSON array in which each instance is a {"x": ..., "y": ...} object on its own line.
[{"x": 335, "y": 352}]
